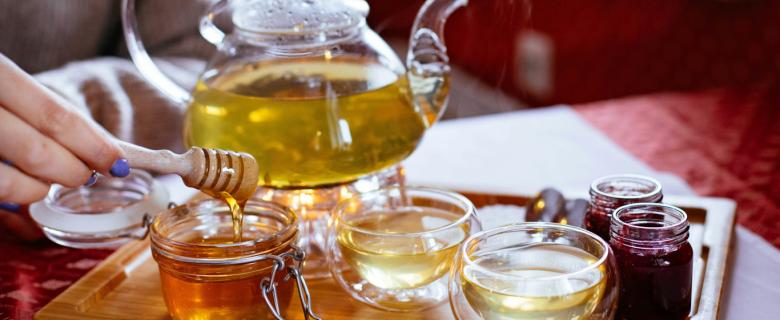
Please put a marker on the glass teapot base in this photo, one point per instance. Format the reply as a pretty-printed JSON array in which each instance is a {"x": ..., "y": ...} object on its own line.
[{"x": 314, "y": 207}]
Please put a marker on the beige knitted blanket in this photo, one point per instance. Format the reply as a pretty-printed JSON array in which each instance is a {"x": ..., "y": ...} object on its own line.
[{"x": 76, "y": 48}]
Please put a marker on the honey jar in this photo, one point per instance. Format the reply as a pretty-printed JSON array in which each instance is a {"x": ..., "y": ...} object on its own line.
[{"x": 204, "y": 274}]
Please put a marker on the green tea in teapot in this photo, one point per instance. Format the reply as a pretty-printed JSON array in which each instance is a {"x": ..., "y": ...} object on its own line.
[
  {"x": 307, "y": 88},
  {"x": 309, "y": 121}
]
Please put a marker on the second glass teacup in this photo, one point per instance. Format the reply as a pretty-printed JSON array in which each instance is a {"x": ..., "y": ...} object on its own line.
[
  {"x": 534, "y": 271},
  {"x": 392, "y": 248}
]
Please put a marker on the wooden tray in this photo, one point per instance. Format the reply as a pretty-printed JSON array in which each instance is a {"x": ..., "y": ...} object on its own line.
[{"x": 126, "y": 285}]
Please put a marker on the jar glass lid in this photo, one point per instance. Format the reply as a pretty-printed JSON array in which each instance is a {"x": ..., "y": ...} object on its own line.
[{"x": 105, "y": 214}]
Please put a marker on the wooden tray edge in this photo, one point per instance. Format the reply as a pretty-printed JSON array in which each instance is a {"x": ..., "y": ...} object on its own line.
[{"x": 78, "y": 299}]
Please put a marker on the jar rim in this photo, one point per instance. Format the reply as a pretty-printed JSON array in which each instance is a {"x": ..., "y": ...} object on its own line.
[
  {"x": 657, "y": 187},
  {"x": 635, "y": 235},
  {"x": 682, "y": 216},
  {"x": 461, "y": 200},
  {"x": 533, "y": 226},
  {"x": 245, "y": 251}
]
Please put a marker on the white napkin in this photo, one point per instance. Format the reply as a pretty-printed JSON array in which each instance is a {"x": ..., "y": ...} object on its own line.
[{"x": 523, "y": 152}]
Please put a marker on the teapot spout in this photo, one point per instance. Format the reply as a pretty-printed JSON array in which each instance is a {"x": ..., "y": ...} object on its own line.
[{"x": 427, "y": 60}]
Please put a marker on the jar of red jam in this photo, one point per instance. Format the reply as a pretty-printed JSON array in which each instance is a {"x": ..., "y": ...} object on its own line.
[
  {"x": 655, "y": 261},
  {"x": 612, "y": 192}
]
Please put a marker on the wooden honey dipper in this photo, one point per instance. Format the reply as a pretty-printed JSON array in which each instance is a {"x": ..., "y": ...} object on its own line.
[{"x": 209, "y": 170}]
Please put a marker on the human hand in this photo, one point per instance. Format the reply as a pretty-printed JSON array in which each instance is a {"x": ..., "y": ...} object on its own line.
[{"x": 47, "y": 140}]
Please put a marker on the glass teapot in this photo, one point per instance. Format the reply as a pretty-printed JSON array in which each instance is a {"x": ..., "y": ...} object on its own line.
[{"x": 308, "y": 89}]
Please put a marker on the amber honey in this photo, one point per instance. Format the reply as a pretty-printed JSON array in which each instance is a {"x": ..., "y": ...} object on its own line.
[
  {"x": 230, "y": 297},
  {"x": 236, "y": 213},
  {"x": 206, "y": 274}
]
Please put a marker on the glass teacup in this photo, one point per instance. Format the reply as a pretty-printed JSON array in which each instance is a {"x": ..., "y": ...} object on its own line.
[
  {"x": 534, "y": 271},
  {"x": 392, "y": 248}
]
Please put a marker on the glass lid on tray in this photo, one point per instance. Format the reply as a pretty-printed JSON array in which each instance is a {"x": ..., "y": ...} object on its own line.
[{"x": 106, "y": 214}]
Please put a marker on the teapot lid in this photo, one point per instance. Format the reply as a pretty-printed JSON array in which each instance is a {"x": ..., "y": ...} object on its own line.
[{"x": 298, "y": 17}]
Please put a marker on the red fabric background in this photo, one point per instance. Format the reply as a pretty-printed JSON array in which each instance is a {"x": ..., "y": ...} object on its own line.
[
  {"x": 723, "y": 142},
  {"x": 605, "y": 48}
]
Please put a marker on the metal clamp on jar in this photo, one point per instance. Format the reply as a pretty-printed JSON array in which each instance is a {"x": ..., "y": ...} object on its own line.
[{"x": 206, "y": 275}]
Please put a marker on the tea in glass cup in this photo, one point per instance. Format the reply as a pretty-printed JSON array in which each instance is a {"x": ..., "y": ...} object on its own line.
[
  {"x": 534, "y": 271},
  {"x": 392, "y": 248}
]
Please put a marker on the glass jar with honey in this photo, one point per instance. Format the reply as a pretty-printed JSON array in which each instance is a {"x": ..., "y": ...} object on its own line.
[{"x": 206, "y": 274}]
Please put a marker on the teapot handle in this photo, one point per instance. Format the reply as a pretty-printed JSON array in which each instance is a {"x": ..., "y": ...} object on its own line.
[
  {"x": 143, "y": 61},
  {"x": 426, "y": 45},
  {"x": 427, "y": 59},
  {"x": 208, "y": 29}
]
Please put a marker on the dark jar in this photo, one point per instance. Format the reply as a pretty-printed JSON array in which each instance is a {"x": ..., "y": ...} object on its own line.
[
  {"x": 655, "y": 261},
  {"x": 612, "y": 192}
]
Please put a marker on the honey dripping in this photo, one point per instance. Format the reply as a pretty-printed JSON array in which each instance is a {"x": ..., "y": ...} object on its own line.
[
  {"x": 236, "y": 206},
  {"x": 233, "y": 182},
  {"x": 236, "y": 212}
]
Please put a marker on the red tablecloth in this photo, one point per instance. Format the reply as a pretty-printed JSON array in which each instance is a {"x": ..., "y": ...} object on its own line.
[
  {"x": 33, "y": 274},
  {"x": 722, "y": 142}
]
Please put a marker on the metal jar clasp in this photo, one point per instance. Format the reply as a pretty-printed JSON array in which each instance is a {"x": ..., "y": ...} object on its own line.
[{"x": 294, "y": 270}]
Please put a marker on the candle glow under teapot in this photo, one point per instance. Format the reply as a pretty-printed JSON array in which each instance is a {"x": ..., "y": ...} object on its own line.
[{"x": 308, "y": 89}]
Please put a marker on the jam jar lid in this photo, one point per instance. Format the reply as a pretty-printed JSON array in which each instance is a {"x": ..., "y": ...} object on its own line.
[
  {"x": 106, "y": 214},
  {"x": 626, "y": 187}
]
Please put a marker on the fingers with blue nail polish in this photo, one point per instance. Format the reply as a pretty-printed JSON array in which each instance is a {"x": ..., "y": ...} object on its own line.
[
  {"x": 17, "y": 187},
  {"x": 120, "y": 168},
  {"x": 92, "y": 179},
  {"x": 8, "y": 206}
]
